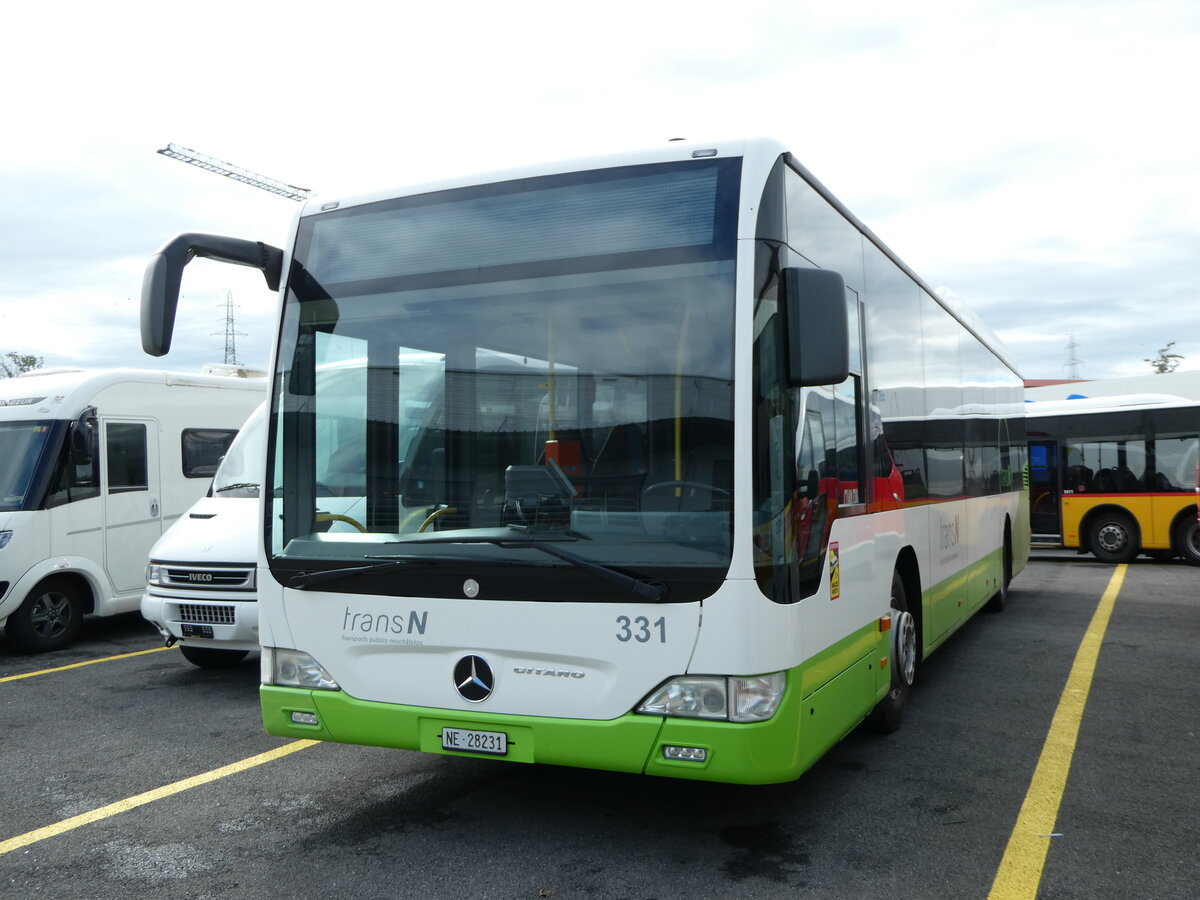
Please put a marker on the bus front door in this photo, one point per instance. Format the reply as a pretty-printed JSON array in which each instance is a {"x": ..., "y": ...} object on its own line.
[{"x": 1044, "y": 508}]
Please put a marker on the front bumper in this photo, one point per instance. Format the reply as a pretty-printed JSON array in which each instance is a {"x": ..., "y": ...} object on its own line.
[{"x": 221, "y": 623}]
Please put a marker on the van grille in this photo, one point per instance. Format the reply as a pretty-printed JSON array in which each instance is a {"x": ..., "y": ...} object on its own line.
[
  {"x": 206, "y": 614},
  {"x": 213, "y": 578}
]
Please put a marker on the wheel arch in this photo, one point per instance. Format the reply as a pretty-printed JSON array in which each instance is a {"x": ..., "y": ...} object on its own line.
[
  {"x": 80, "y": 572},
  {"x": 1187, "y": 514},
  {"x": 910, "y": 574},
  {"x": 77, "y": 580},
  {"x": 1085, "y": 524},
  {"x": 1180, "y": 525}
]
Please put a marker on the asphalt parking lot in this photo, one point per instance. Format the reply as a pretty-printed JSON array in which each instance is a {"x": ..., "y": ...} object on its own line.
[{"x": 128, "y": 772}]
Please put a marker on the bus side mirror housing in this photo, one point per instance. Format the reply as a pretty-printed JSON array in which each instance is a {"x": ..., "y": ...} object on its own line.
[
  {"x": 164, "y": 272},
  {"x": 817, "y": 327}
]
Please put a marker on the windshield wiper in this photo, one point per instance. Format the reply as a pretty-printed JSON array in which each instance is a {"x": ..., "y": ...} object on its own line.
[
  {"x": 241, "y": 485},
  {"x": 302, "y": 580},
  {"x": 641, "y": 588}
]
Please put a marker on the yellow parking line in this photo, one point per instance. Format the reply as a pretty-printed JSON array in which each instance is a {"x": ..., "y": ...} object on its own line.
[
  {"x": 88, "y": 662},
  {"x": 104, "y": 812},
  {"x": 1020, "y": 870}
]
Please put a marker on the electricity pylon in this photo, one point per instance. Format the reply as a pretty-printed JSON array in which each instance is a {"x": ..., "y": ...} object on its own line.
[
  {"x": 230, "y": 332},
  {"x": 1073, "y": 361}
]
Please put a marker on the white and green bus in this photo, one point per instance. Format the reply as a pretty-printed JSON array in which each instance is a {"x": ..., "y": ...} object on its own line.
[{"x": 673, "y": 491}]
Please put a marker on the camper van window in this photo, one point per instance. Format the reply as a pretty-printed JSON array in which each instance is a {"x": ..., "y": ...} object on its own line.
[
  {"x": 72, "y": 482},
  {"x": 202, "y": 449},
  {"x": 126, "y": 450},
  {"x": 22, "y": 446}
]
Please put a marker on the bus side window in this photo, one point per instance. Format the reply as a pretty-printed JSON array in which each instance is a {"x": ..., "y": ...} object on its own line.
[
  {"x": 808, "y": 476},
  {"x": 848, "y": 452}
]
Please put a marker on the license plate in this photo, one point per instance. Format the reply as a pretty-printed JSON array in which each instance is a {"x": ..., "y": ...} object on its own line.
[
  {"x": 204, "y": 631},
  {"x": 465, "y": 741}
]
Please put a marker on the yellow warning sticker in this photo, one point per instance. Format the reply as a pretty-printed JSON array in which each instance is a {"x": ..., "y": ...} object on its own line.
[{"x": 835, "y": 572}]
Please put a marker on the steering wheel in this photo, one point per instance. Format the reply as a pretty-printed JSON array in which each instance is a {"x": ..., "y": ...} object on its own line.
[{"x": 335, "y": 517}]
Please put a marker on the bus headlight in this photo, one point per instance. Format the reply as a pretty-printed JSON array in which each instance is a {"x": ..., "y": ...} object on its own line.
[
  {"x": 693, "y": 697},
  {"x": 733, "y": 698},
  {"x": 291, "y": 668},
  {"x": 5, "y": 537}
]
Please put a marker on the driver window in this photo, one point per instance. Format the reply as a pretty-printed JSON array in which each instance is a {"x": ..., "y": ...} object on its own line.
[{"x": 74, "y": 482}]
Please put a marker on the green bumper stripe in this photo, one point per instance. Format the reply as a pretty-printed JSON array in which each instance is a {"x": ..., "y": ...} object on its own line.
[{"x": 809, "y": 721}]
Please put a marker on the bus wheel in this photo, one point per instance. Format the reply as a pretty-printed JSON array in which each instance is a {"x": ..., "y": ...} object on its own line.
[
  {"x": 1000, "y": 598},
  {"x": 888, "y": 714},
  {"x": 1113, "y": 537},
  {"x": 212, "y": 657},
  {"x": 49, "y": 618},
  {"x": 1187, "y": 540}
]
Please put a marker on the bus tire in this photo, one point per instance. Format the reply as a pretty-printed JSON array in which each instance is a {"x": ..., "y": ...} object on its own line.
[
  {"x": 888, "y": 714},
  {"x": 212, "y": 657},
  {"x": 49, "y": 619},
  {"x": 1000, "y": 599},
  {"x": 1113, "y": 537},
  {"x": 1187, "y": 540}
]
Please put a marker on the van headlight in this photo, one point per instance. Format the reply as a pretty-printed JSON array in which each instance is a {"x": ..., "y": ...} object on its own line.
[
  {"x": 156, "y": 574},
  {"x": 5, "y": 537},
  {"x": 291, "y": 668},
  {"x": 732, "y": 698}
]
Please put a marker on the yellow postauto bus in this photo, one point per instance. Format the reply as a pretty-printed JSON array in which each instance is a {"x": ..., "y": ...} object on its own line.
[{"x": 1116, "y": 476}]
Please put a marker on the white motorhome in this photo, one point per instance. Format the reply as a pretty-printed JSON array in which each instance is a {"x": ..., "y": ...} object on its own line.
[
  {"x": 201, "y": 576},
  {"x": 200, "y": 579},
  {"x": 94, "y": 465}
]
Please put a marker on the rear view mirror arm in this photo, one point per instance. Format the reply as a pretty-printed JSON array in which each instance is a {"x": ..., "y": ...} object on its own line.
[{"x": 164, "y": 272}]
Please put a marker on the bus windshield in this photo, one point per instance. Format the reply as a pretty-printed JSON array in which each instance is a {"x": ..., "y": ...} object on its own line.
[
  {"x": 22, "y": 446},
  {"x": 474, "y": 374}
]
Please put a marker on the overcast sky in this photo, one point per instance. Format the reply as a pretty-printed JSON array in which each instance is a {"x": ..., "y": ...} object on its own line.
[{"x": 1038, "y": 159}]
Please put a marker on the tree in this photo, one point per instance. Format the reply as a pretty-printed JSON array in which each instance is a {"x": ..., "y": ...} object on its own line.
[
  {"x": 14, "y": 364},
  {"x": 1166, "y": 361}
]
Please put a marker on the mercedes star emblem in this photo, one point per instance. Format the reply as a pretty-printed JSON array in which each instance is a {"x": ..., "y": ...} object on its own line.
[{"x": 473, "y": 678}]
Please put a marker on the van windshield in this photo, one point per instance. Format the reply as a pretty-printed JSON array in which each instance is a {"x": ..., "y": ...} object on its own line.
[
  {"x": 22, "y": 451},
  {"x": 241, "y": 470}
]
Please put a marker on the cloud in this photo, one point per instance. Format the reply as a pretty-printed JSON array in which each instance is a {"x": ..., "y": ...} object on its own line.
[{"x": 1030, "y": 156}]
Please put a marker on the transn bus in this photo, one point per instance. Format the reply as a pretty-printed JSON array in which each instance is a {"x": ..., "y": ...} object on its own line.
[
  {"x": 1116, "y": 476},
  {"x": 659, "y": 499}
]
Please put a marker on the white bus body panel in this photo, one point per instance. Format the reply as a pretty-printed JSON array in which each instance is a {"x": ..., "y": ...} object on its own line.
[{"x": 549, "y": 659}]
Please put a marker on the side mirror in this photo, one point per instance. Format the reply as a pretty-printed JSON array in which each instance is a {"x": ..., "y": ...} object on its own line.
[
  {"x": 164, "y": 272},
  {"x": 80, "y": 438},
  {"x": 818, "y": 331}
]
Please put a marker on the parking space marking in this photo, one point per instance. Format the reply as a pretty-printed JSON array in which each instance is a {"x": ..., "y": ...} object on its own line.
[
  {"x": 112, "y": 809},
  {"x": 86, "y": 662},
  {"x": 1020, "y": 870}
]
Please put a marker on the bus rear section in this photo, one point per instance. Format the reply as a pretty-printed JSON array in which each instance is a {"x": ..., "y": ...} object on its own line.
[{"x": 1116, "y": 476}]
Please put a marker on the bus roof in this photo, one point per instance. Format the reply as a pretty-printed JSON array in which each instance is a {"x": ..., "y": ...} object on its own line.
[
  {"x": 1034, "y": 408},
  {"x": 680, "y": 150}
]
